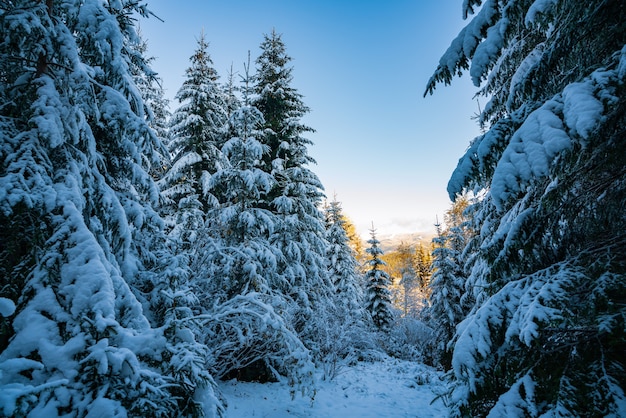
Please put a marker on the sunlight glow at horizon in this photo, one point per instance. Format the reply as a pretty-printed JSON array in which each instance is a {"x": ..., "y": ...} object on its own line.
[{"x": 385, "y": 151}]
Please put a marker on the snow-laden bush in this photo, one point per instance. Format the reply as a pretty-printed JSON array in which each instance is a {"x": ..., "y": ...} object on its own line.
[
  {"x": 248, "y": 330},
  {"x": 409, "y": 339},
  {"x": 340, "y": 340}
]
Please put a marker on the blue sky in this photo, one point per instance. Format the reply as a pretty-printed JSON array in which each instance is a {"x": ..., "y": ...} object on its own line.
[{"x": 362, "y": 67}]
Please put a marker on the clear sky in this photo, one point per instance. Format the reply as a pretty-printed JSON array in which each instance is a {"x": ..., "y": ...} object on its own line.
[{"x": 385, "y": 151}]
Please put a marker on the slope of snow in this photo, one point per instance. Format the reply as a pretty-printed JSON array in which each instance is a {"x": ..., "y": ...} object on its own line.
[{"x": 385, "y": 388}]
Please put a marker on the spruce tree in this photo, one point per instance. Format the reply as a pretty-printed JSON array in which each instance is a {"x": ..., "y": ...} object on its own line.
[
  {"x": 378, "y": 297},
  {"x": 545, "y": 334},
  {"x": 423, "y": 265},
  {"x": 341, "y": 328},
  {"x": 342, "y": 264},
  {"x": 155, "y": 105},
  {"x": 77, "y": 218},
  {"x": 297, "y": 194},
  {"x": 232, "y": 101},
  {"x": 197, "y": 132},
  {"x": 447, "y": 286},
  {"x": 246, "y": 324},
  {"x": 281, "y": 106},
  {"x": 166, "y": 287},
  {"x": 240, "y": 219}
]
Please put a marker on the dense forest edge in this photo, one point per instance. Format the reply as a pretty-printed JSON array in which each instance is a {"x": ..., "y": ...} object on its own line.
[{"x": 146, "y": 253}]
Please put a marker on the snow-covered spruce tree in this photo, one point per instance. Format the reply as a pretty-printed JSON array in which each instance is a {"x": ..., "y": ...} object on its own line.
[
  {"x": 171, "y": 295},
  {"x": 165, "y": 287},
  {"x": 297, "y": 194},
  {"x": 231, "y": 100},
  {"x": 239, "y": 217},
  {"x": 377, "y": 295},
  {"x": 342, "y": 265},
  {"x": 156, "y": 106},
  {"x": 197, "y": 132},
  {"x": 546, "y": 334},
  {"x": 341, "y": 330},
  {"x": 246, "y": 326},
  {"x": 282, "y": 107},
  {"x": 447, "y": 284},
  {"x": 462, "y": 242},
  {"x": 76, "y": 217},
  {"x": 449, "y": 298}
]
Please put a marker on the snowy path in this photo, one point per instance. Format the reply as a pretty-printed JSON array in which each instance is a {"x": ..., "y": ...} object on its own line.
[{"x": 388, "y": 388}]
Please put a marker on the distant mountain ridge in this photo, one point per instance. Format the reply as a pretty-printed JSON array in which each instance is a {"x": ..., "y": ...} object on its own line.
[{"x": 392, "y": 242}]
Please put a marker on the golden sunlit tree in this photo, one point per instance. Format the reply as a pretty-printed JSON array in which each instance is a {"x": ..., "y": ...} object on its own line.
[{"x": 354, "y": 240}]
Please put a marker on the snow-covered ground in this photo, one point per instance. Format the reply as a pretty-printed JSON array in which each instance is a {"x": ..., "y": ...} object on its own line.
[{"x": 385, "y": 388}]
